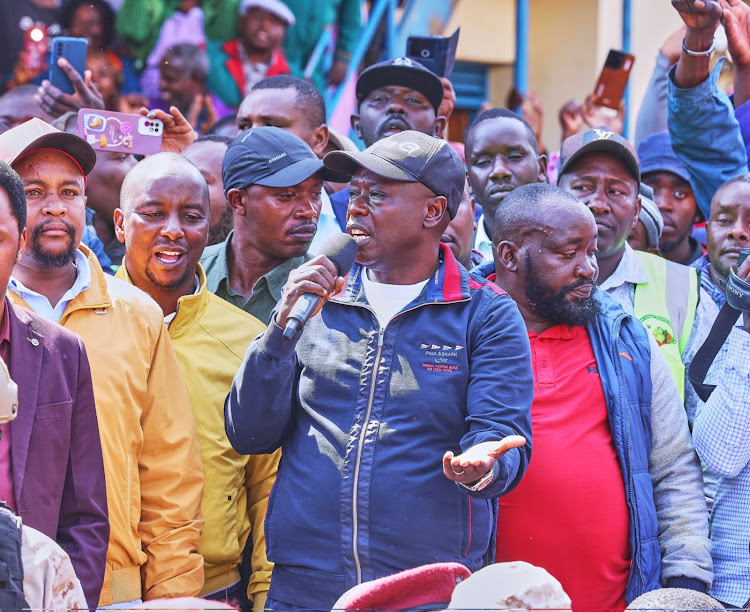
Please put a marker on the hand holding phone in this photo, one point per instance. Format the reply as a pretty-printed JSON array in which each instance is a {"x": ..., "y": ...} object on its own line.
[{"x": 56, "y": 102}]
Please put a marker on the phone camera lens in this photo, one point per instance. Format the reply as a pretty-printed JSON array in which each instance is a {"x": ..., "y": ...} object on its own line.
[
  {"x": 148, "y": 123},
  {"x": 425, "y": 53}
]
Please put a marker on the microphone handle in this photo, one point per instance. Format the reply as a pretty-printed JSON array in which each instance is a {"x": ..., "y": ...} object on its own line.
[{"x": 301, "y": 312}]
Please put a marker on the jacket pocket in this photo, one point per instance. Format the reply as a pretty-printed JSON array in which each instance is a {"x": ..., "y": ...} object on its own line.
[{"x": 58, "y": 410}]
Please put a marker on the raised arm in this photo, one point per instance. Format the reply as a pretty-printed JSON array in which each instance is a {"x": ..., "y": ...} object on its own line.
[{"x": 702, "y": 127}]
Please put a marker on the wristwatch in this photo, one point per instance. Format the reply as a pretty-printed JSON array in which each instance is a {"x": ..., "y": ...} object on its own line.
[{"x": 482, "y": 483}]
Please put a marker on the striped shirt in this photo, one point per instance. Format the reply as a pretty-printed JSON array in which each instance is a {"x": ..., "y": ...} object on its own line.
[{"x": 721, "y": 434}]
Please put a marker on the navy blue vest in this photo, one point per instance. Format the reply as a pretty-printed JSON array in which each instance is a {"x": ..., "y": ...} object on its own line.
[{"x": 623, "y": 355}]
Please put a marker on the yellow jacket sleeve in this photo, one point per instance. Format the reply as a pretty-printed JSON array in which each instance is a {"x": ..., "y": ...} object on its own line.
[
  {"x": 260, "y": 474},
  {"x": 171, "y": 479}
]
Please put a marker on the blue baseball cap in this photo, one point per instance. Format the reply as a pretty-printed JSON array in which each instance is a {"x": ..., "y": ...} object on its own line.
[
  {"x": 656, "y": 155},
  {"x": 272, "y": 157}
]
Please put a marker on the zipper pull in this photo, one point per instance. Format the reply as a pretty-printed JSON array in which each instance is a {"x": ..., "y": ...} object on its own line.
[{"x": 381, "y": 333}]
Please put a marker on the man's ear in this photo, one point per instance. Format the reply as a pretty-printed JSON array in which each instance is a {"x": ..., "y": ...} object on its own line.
[
  {"x": 354, "y": 120},
  {"x": 506, "y": 255},
  {"x": 437, "y": 212},
  {"x": 637, "y": 213},
  {"x": 237, "y": 200},
  {"x": 320, "y": 139},
  {"x": 21, "y": 244},
  {"x": 119, "y": 228},
  {"x": 440, "y": 124},
  {"x": 474, "y": 211},
  {"x": 542, "y": 159}
]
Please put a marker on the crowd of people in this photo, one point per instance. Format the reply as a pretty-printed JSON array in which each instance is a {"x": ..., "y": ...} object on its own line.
[{"x": 491, "y": 383}]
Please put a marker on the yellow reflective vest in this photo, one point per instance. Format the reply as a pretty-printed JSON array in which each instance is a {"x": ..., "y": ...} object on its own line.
[{"x": 666, "y": 305}]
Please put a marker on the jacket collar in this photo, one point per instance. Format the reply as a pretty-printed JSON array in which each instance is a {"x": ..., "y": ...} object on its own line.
[
  {"x": 274, "y": 280},
  {"x": 449, "y": 283},
  {"x": 629, "y": 270},
  {"x": 95, "y": 297},
  {"x": 190, "y": 308}
]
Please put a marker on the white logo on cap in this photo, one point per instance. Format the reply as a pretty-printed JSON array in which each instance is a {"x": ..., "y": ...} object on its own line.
[
  {"x": 402, "y": 61},
  {"x": 410, "y": 147},
  {"x": 279, "y": 156},
  {"x": 603, "y": 134}
]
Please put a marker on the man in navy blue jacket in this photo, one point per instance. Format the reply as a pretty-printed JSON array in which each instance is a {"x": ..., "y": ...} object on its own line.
[{"x": 402, "y": 408}]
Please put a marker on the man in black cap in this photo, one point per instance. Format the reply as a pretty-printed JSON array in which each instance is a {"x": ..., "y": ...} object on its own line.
[
  {"x": 393, "y": 96},
  {"x": 273, "y": 182},
  {"x": 601, "y": 169},
  {"x": 386, "y": 404}
]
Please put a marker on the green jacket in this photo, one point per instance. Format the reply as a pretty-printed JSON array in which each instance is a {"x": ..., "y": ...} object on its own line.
[{"x": 139, "y": 22}]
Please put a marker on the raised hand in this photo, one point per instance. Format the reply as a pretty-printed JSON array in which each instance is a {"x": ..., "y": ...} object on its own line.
[
  {"x": 178, "y": 133},
  {"x": 86, "y": 95},
  {"x": 571, "y": 119},
  {"x": 699, "y": 14},
  {"x": 596, "y": 116},
  {"x": 736, "y": 21}
]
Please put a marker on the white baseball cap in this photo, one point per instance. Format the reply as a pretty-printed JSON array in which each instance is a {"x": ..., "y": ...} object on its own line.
[{"x": 275, "y": 7}]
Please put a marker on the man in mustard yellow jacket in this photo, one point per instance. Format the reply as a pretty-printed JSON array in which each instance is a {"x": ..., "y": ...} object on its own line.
[
  {"x": 150, "y": 448},
  {"x": 163, "y": 221}
]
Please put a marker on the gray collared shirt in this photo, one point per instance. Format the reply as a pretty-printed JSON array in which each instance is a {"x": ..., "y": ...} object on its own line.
[{"x": 267, "y": 291}]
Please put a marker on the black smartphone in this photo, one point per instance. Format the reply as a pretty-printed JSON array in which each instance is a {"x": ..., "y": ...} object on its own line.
[
  {"x": 436, "y": 53},
  {"x": 72, "y": 49}
]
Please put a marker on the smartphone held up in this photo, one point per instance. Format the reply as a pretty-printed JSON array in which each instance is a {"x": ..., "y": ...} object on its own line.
[
  {"x": 613, "y": 79},
  {"x": 74, "y": 51},
  {"x": 120, "y": 132}
]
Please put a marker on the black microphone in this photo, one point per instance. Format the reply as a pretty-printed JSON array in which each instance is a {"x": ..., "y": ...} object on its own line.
[{"x": 341, "y": 249}]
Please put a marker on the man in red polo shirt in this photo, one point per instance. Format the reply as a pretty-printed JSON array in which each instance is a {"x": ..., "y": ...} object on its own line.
[{"x": 612, "y": 503}]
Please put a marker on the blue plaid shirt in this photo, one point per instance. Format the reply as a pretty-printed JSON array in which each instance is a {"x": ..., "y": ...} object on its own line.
[
  {"x": 721, "y": 434},
  {"x": 717, "y": 293}
]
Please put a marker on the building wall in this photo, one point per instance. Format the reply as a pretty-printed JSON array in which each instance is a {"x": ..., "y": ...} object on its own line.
[{"x": 569, "y": 42}]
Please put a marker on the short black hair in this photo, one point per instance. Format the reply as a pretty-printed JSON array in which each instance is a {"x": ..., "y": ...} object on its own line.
[
  {"x": 11, "y": 183},
  {"x": 225, "y": 140},
  {"x": 501, "y": 113},
  {"x": 740, "y": 178},
  {"x": 105, "y": 10},
  {"x": 229, "y": 120},
  {"x": 519, "y": 212},
  {"x": 307, "y": 95},
  {"x": 194, "y": 59}
]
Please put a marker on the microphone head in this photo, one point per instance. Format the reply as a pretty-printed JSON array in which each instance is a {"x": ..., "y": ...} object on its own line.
[{"x": 341, "y": 249}]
